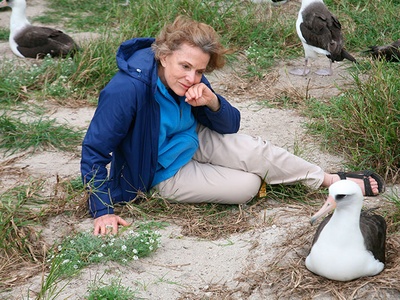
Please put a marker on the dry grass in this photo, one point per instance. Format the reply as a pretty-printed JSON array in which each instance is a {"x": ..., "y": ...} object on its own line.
[
  {"x": 286, "y": 277},
  {"x": 27, "y": 256},
  {"x": 206, "y": 221},
  {"x": 20, "y": 263}
]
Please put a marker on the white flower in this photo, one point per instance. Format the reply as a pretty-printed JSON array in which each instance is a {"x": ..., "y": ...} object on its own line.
[
  {"x": 65, "y": 261},
  {"x": 135, "y": 257},
  {"x": 100, "y": 254},
  {"x": 135, "y": 251},
  {"x": 123, "y": 248}
]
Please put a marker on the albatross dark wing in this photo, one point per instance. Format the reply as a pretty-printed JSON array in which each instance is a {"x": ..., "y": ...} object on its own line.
[
  {"x": 373, "y": 229},
  {"x": 37, "y": 42},
  {"x": 319, "y": 27},
  {"x": 323, "y": 30}
]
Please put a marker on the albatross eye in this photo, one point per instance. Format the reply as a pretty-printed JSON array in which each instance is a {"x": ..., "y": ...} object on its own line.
[{"x": 340, "y": 196}]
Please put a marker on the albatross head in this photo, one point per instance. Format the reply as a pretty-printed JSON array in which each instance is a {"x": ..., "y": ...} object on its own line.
[{"x": 342, "y": 195}]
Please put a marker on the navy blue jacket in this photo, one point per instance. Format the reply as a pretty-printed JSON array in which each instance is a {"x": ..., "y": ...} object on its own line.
[{"x": 125, "y": 129}]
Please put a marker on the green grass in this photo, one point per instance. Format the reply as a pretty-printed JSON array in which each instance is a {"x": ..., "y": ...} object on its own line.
[
  {"x": 113, "y": 291},
  {"x": 367, "y": 23},
  {"x": 364, "y": 122},
  {"x": 17, "y": 135},
  {"x": 241, "y": 25}
]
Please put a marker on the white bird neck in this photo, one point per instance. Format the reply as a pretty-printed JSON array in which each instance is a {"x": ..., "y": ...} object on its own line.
[
  {"x": 18, "y": 18},
  {"x": 349, "y": 216}
]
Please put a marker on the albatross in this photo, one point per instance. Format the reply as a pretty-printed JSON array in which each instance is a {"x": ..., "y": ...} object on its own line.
[
  {"x": 390, "y": 52},
  {"x": 31, "y": 41},
  {"x": 348, "y": 244},
  {"x": 320, "y": 32}
]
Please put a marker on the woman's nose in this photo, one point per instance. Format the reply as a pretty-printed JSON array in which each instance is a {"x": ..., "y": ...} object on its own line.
[{"x": 191, "y": 77}]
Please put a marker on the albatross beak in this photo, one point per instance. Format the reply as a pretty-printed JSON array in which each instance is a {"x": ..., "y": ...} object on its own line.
[{"x": 328, "y": 206}]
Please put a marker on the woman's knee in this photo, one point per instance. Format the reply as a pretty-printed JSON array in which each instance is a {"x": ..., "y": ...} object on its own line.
[{"x": 245, "y": 189}]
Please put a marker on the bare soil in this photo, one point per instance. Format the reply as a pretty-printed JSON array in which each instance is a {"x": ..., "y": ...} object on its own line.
[{"x": 264, "y": 262}]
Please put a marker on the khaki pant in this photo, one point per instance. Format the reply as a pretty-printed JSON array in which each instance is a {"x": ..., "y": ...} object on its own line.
[{"x": 229, "y": 168}]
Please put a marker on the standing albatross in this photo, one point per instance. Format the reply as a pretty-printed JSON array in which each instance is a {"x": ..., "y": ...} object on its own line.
[
  {"x": 347, "y": 244},
  {"x": 320, "y": 32},
  {"x": 35, "y": 41}
]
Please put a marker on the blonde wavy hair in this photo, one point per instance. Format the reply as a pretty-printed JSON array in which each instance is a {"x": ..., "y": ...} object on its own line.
[{"x": 185, "y": 30}]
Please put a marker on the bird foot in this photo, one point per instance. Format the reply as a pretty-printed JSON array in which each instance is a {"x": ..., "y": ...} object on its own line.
[
  {"x": 299, "y": 72},
  {"x": 324, "y": 72}
]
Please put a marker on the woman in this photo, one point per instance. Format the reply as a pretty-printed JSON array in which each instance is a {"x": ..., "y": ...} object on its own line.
[{"x": 163, "y": 128}]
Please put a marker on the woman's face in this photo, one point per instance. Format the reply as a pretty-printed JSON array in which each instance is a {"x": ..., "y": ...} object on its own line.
[{"x": 183, "y": 68}]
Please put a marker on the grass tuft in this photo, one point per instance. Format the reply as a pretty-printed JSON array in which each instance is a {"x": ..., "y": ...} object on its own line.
[
  {"x": 113, "y": 291},
  {"x": 364, "y": 122},
  {"x": 43, "y": 133}
]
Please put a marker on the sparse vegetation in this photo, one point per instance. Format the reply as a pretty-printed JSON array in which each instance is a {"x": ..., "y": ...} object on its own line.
[
  {"x": 18, "y": 135},
  {"x": 362, "y": 122}
]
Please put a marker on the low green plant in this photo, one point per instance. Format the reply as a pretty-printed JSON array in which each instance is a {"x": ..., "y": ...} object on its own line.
[
  {"x": 114, "y": 291},
  {"x": 78, "y": 251}
]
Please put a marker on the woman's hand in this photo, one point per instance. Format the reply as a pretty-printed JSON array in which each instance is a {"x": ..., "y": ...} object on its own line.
[
  {"x": 108, "y": 224},
  {"x": 199, "y": 95}
]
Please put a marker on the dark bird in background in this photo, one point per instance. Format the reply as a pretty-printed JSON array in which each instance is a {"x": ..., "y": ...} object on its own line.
[
  {"x": 31, "y": 41},
  {"x": 389, "y": 52},
  {"x": 349, "y": 243},
  {"x": 320, "y": 33}
]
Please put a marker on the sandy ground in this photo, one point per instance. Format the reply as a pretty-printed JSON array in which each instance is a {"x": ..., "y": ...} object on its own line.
[{"x": 186, "y": 267}]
